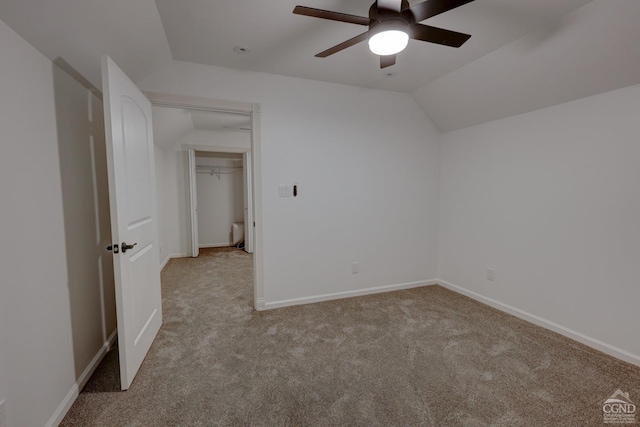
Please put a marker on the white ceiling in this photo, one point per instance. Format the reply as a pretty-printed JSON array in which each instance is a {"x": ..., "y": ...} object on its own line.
[
  {"x": 523, "y": 54},
  {"x": 589, "y": 51},
  {"x": 283, "y": 43},
  {"x": 172, "y": 125},
  {"x": 81, "y": 31}
]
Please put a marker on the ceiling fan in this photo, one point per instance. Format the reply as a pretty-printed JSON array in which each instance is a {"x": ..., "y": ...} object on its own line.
[{"x": 391, "y": 24}]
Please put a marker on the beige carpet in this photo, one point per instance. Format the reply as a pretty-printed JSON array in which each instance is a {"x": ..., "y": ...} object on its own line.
[{"x": 421, "y": 357}]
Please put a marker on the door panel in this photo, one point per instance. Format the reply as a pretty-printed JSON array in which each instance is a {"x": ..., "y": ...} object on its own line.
[
  {"x": 136, "y": 160},
  {"x": 129, "y": 138}
]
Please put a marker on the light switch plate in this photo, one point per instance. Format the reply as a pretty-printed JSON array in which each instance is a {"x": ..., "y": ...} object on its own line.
[{"x": 285, "y": 190}]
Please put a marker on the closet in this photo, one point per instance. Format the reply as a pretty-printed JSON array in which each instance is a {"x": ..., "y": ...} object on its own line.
[{"x": 220, "y": 199}]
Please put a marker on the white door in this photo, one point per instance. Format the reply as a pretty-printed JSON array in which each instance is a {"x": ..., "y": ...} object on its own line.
[
  {"x": 193, "y": 204},
  {"x": 248, "y": 203},
  {"x": 130, "y": 163}
]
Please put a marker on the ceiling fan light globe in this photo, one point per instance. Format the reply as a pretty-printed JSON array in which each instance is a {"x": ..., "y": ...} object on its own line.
[{"x": 388, "y": 42}]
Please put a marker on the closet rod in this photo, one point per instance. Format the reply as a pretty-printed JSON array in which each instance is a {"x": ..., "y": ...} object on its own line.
[{"x": 218, "y": 170}]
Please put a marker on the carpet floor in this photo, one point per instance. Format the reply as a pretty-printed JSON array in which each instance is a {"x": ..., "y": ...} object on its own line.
[{"x": 419, "y": 357}]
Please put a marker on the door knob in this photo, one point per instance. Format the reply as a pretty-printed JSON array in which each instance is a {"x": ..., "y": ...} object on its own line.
[{"x": 126, "y": 247}]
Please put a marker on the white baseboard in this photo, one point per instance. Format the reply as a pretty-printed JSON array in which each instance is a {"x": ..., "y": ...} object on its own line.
[
  {"x": 346, "y": 294},
  {"x": 170, "y": 256},
  {"x": 547, "y": 324},
  {"x": 72, "y": 395},
  {"x": 215, "y": 245}
]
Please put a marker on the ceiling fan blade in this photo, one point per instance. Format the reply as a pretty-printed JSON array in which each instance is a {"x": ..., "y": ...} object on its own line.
[
  {"x": 429, "y": 8},
  {"x": 387, "y": 60},
  {"x": 344, "y": 45},
  {"x": 332, "y": 16},
  {"x": 430, "y": 34}
]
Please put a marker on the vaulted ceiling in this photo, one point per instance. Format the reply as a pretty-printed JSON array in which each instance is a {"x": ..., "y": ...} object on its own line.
[
  {"x": 523, "y": 54},
  {"x": 283, "y": 43}
]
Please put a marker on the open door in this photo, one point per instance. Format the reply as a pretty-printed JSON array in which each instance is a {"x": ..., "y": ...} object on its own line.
[
  {"x": 130, "y": 163},
  {"x": 248, "y": 203},
  {"x": 193, "y": 204}
]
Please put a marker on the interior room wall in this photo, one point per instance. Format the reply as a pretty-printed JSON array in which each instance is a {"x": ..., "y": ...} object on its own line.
[
  {"x": 49, "y": 338},
  {"x": 366, "y": 162},
  {"x": 172, "y": 201},
  {"x": 220, "y": 201},
  {"x": 159, "y": 160},
  {"x": 231, "y": 139},
  {"x": 550, "y": 200}
]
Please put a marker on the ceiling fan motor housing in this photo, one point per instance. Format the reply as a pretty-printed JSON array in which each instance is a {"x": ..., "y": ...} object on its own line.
[
  {"x": 387, "y": 19},
  {"x": 390, "y": 28}
]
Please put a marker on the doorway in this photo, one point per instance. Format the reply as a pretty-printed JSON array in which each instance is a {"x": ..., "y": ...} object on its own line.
[
  {"x": 220, "y": 194},
  {"x": 189, "y": 123}
]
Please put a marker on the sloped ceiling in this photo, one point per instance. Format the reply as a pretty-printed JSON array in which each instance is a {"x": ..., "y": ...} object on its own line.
[
  {"x": 81, "y": 31},
  {"x": 523, "y": 54},
  {"x": 589, "y": 51},
  {"x": 172, "y": 125},
  {"x": 282, "y": 43}
]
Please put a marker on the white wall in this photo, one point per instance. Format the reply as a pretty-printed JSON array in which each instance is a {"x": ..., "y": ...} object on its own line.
[
  {"x": 366, "y": 162},
  {"x": 220, "y": 202},
  {"x": 52, "y": 322},
  {"x": 550, "y": 200},
  {"x": 232, "y": 140},
  {"x": 172, "y": 199}
]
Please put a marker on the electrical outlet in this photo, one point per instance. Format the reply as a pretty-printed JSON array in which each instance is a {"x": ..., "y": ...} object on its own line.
[
  {"x": 3, "y": 418},
  {"x": 355, "y": 268},
  {"x": 490, "y": 274}
]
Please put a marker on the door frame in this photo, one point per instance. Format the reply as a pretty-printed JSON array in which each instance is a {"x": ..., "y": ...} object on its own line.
[
  {"x": 248, "y": 200},
  {"x": 193, "y": 193},
  {"x": 193, "y": 203},
  {"x": 253, "y": 110}
]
